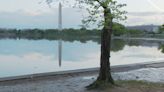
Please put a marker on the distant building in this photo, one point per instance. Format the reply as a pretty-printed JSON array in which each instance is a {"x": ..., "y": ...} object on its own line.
[{"x": 148, "y": 28}]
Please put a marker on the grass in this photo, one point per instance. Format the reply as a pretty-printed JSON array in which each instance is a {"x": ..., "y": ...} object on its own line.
[{"x": 133, "y": 86}]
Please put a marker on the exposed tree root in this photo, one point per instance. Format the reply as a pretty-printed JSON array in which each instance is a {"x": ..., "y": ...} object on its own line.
[{"x": 100, "y": 85}]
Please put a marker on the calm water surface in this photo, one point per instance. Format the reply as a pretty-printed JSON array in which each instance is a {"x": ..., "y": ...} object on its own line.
[{"x": 20, "y": 57}]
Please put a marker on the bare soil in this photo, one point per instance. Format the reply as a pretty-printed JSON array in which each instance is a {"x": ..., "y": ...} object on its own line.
[{"x": 134, "y": 86}]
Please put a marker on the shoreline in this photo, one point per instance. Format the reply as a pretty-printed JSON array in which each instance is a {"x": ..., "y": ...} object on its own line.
[
  {"x": 82, "y": 72},
  {"x": 139, "y": 38}
]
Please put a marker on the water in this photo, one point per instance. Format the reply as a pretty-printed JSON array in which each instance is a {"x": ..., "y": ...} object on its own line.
[{"x": 21, "y": 57}]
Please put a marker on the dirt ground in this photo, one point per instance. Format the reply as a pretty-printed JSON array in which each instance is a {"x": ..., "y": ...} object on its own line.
[
  {"x": 134, "y": 86},
  {"x": 76, "y": 84}
]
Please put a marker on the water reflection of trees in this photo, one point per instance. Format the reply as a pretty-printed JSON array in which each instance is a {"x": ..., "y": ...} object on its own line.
[
  {"x": 147, "y": 43},
  {"x": 117, "y": 44},
  {"x": 161, "y": 48}
]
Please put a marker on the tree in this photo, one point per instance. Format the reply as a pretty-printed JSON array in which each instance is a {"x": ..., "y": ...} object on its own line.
[
  {"x": 161, "y": 29},
  {"x": 108, "y": 10},
  {"x": 161, "y": 47},
  {"x": 102, "y": 12},
  {"x": 118, "y": 29}
]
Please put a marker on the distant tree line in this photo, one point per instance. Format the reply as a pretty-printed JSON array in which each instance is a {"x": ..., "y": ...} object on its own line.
[
  {"x": 48, "y": 33},
  {"x": 53, "y": 34},
  {"x": 118, "y": 30},
  {"x": 121, "y": 30}
]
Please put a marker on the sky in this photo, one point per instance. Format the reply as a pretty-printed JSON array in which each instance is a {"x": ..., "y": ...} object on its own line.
[{"x": 24, "y": 14}]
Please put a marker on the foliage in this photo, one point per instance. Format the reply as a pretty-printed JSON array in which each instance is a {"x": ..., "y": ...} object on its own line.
[
  {"x": 118, "y": 29},
  {"x": 161, "y": 29},
  {"x": 132, "y": 32},
  {"x": 161, "y": 47},
  {"x": 95, "y": 10},
  {"x": 49, "y": 33}
]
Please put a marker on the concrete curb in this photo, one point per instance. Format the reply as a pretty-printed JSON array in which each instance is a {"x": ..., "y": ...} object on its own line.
[
  {"x": 118, "y": 68},
  {"x": 32, "y": 76}
]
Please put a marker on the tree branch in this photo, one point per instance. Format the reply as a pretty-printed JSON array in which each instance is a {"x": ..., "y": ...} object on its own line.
[{"x": 102, "y": 4}]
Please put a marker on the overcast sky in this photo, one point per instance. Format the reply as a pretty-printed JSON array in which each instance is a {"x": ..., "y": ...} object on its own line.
[{"x": 31, "y": 14}]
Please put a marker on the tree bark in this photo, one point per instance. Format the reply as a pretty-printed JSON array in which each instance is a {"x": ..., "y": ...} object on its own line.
[{"x": 105, "y": 70}]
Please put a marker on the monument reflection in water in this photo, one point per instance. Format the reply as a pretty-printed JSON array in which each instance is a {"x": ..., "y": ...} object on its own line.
[{"x": 60, "y": 40}]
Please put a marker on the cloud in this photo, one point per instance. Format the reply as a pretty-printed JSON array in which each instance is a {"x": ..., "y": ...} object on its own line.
[
  {"x": 25, "y": 19},
  {"x": 140, "y": 18},
  {"x": 38, "y": 19},
  {"x": 71, "y": 19},
  {"x": 155, "y": 5},
  {"x": 145, "y": 13}
]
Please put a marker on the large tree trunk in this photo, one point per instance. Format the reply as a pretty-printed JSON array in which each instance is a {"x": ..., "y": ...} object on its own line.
[{"x": 105, "y": 71}]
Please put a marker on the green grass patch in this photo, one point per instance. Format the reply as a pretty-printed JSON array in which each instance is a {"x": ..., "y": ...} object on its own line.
[{"x": 132, "y": 86}]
